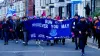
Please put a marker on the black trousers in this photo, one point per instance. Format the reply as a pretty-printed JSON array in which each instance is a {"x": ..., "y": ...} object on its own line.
[
  {"x": 6, "y": 38},
  {"x": 82, "y": 42},
  {"x": 98, "y": 37},
  {"x": 76, "y": 41}
]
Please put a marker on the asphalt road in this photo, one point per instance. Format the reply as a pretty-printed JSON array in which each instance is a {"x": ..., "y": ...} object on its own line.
[{"x": 33, "y": 49}]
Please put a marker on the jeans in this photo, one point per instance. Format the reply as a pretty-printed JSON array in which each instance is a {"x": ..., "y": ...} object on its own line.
[{"x": 6, "y": 37}]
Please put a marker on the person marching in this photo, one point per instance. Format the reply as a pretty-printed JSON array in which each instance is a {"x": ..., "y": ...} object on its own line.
[
  {"x": 74, "y": 30},
  {"x": 11, "y": 26},
  {"x": 97, "y": 28},
  {"x": 17, "y": 29},
  {"x": 63, "y": 39},
  {"x": 5, "y": 27},
  {"x": 82, "y": 27},
  {"x": 51, "y": 42},
  {"x": 24, "y": 31}
]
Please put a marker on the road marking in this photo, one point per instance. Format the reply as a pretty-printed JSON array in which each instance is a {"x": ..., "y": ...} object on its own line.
[
  {"x": 41, "y": 47},
  {"x": 29, "y": 51},
  {"x": 89, "y": 45},
  {"x": 93, "y": 46},
  {"x": 44, "y": 54}
]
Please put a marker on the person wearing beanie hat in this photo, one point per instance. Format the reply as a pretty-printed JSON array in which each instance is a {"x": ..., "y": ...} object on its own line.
[
  {"x": 76, "y": 15},
  {"x": 82, "y": 28}
]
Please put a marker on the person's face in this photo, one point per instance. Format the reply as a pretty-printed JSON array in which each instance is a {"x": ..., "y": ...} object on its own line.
[
  {"x": 49, "y": 16},
  {"x": 76, "y": 17},
  {"x": 83, "y": 19}
]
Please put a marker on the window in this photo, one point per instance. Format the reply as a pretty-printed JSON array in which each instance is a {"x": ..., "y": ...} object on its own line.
[
  {"x": 61, "y": 0},
  {"x": 52, "y": 1},
  {"x": 47, "y": 1}
]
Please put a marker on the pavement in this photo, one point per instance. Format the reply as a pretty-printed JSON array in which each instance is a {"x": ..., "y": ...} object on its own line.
[{"x": 33, "y": 49}]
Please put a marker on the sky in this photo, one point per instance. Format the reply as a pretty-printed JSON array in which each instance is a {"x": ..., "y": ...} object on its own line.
[{"x": 1, "y": 1}]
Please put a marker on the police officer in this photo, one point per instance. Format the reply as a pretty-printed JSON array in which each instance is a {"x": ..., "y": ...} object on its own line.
[
  {"x": 82, "y": 27},
  {"x": 5, "y": 27},
  {"x": 74, "y": 30}
]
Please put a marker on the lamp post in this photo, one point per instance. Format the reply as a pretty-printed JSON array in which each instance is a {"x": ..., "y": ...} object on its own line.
[{"x": 94, "y": 6}]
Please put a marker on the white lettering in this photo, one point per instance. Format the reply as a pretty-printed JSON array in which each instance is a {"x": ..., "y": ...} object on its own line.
[
  {"x": 55, "y": 26},
  {"x": 48, "y": 22},
  {"x": 41, "y": 35},
  {"x": 33, "y": 35},
  {"x": 45, "y": 25},
  {"x": 36, "y": 25},
  {"x": 65, "y": 26}
]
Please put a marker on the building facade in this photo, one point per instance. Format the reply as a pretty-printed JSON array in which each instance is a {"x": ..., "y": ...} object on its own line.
[
  {"x": 30, "y": 7},
  {"x": 64, "y": 8},
  {"x": 22, "y": 7},
  {"x": 52, "y": 7}
]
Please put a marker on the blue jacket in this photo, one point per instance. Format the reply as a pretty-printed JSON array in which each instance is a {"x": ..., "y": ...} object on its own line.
[{"x": 97, "y": 27}]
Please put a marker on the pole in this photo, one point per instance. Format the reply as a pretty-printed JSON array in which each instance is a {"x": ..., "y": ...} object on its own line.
[
  {"x": 94, "y": 6},
  {"x": 72, "y": 10},
  {"x": 91, "y": 6},
  {"x": 26, "y": 7},
  {"x": 85, "y": 6}
]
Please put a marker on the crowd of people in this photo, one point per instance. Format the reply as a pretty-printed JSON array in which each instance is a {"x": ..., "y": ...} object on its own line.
[{"x": 81, "y": 28}]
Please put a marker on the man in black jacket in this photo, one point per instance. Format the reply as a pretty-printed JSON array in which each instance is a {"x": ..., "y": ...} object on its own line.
[
  {"x": 82, "y": 27},
  {"x": 74, "y": 30},
  {"x": 5, "y": 27}
]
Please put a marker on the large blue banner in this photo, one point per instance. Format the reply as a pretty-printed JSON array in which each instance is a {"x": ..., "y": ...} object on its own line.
[{"x": 47, "y": 28}]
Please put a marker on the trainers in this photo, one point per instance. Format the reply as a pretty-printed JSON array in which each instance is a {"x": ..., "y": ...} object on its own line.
[
  {"x": 82, "y": 54},
  {"x": 36, "y": 42},
  {"x": 39, "y": 42},
  {"x": 23, "y": 42},
  {"x": 16, "y": 42}
]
